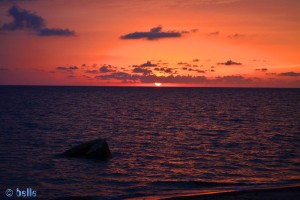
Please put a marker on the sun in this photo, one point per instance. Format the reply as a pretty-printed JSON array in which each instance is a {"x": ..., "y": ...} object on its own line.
[{"x": 157, "y": 84}]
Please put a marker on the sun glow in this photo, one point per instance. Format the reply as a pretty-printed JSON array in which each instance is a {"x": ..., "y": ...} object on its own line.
[{"x": 157, "y": 84}]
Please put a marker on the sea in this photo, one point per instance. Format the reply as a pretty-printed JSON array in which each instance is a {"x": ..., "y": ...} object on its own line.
[{"x": 165, "y": 141}]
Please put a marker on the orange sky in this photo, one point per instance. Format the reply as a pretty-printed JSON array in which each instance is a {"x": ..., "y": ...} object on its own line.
[{"x": 236, "y": 43}]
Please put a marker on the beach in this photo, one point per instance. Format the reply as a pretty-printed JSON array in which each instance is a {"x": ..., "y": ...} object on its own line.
[{"x": 290, "y": 193}]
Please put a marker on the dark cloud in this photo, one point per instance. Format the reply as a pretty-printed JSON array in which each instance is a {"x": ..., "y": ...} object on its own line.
[
  {"x": 56, "y": 32},
  {"x": 200, "y": 71},
  {"x": 154, "y": 34},
  {"x": 88, "y": 77},
  {"x": 68, "y": 69},
  {"x": 262, "y": 69},
  {"x": 214, "y": 33},
  {"x": 191, "y": 31},
  {"x": 257, "y": 60},
  {"x": 148, "y": 64},
  {"x": 26, "y": 20},
  {"x": 92, "y": 71},
  {"x": 173, "y": 79},
  {"x": 193, "y": 70},
  {"x": 104, "y": 69},
  {"x": 289, "y": 74},
  {"x": 236, "y": 36},
  {"x": 143, "y": 75},
  {"x": 195, "y": 79},
  {"x": 141, "y": 70},
  {"x": 73, "y": 67},
  {"x": 271, "y": 73},
  {"x": 165, "y": 70},
  {"x": 3, "y": 69},
  {"x": 196, "y": 60},
  {"x": 123, "y": 76},
  {"x": 156, "y": 29},
  {"x": 185, "y": 64},
  {"x": 15, "y": 1},
  {"x": 169, "y": 70},
  {"x": 23, "y": 19},
  {"x": 229, "y": 62},
  {"x": 88, "y": 66},
  {"x": 236, "y": 79}
]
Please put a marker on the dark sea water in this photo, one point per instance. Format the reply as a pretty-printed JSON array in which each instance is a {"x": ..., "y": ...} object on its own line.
[{"x": 163, "y": 140}]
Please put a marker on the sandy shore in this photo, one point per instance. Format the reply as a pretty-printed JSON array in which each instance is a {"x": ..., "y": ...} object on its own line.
[{"x": 287, "y": 193}]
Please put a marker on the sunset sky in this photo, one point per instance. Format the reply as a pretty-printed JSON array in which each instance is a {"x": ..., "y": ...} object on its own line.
[{"x": 205, "y": 43}]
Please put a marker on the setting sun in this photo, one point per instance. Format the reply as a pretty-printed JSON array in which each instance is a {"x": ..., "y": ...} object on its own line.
[{"x": 157, "y": 84}]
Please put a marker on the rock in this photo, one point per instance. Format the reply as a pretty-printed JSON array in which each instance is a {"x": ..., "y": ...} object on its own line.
[{"x": 95, "y": 149}]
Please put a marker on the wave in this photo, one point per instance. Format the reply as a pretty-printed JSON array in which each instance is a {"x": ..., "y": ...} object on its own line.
[
  {"x": 195, "y": 184},
  {"x": 278, "y": 193}
]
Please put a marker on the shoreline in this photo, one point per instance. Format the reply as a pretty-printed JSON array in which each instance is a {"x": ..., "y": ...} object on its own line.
[{"x": 289, "y": 192}]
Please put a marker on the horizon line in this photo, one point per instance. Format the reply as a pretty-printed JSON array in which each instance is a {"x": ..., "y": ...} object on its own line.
[{"x": 240, "y": 87}]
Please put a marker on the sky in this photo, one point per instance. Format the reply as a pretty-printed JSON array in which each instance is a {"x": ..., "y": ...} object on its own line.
[{"x": 198, "y": 43}]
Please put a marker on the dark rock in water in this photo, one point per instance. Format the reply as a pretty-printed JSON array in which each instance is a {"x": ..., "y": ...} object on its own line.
[{"x": 95, "y": 149}]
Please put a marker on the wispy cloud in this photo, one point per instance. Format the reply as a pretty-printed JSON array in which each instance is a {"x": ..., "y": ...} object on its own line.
[{"x": 26, "y": 20}]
